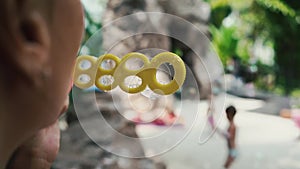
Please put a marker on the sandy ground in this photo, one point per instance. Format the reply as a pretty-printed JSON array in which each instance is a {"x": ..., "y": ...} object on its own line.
[{"x": 264, "y": 141}]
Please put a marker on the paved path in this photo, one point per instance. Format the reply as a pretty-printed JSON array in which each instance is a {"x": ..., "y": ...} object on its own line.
[{"x": 264, "y": 141}]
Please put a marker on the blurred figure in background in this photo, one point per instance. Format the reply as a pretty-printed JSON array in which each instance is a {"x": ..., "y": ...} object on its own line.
[
  {"x": 230, "y": 135},
  {"x": 211, "y": 111}
]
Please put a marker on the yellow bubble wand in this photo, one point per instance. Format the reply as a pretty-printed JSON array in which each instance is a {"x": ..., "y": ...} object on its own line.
[{"x": 89, "y": 72}]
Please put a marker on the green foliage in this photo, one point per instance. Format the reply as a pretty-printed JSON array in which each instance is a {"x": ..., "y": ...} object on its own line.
[
  {"x": 224, "y": 42},
  {"x": 277, "y": 5},
  {"x": 279, "y": 90},
  {"x": 178, "y": 52},
  {"x": 295, "y": 98},
  {"x": 275, "y": 22},
  {"x": 274, "y": 5},
  {"x": 219, "y": 14},
  {"x": 296, "y": 93},
  {"x": 93, "y": 11},
  {"x": 91, "y": 25},
  {"x": 287, "y": 46},
  {"x": 218, "y": 3}
]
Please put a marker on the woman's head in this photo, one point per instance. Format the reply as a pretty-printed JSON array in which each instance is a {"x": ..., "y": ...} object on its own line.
[{"x": 39, "y": 40}]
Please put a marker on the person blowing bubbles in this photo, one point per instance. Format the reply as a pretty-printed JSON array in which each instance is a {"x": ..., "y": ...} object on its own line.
[{"x": 39, "y": 41}]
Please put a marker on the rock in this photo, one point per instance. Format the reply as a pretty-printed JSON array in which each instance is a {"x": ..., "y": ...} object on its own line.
[{"x": 191, "y": 10}]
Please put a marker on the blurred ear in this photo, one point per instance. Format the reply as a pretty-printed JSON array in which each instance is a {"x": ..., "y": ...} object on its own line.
[{"x": 34, "y": 46}]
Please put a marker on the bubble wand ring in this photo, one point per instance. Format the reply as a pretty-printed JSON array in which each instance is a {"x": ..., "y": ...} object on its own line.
[{"x": 88, "y": 72}]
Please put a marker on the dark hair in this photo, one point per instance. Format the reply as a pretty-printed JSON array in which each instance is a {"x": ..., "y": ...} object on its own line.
[{"x": 231, "y": 110}]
